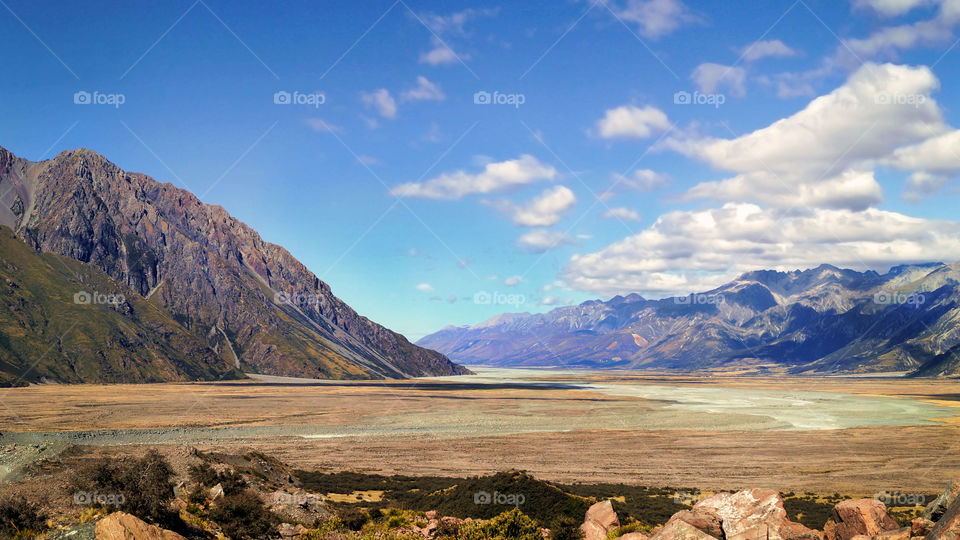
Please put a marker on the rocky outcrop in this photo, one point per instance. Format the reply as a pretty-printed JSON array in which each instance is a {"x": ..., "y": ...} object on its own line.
[
  {"x": 249, "y": 300},
  {"x": 859, "y": 517},
  {"x": 123, "y": 526},
  {"x": 948, "y": 527},
  {"x": 600, "y": 521},
  {"x": 939, "y": 507},
  {"x": 752, "y": 514}
]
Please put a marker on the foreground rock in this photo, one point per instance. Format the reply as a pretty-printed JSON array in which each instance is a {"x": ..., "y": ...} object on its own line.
[
  {"x": 748, "y": 515},
  {"x": 939, "y": 507},
  {"x": 696, "y": 524},
  {"x": 123, "y": 526},
  {"x": 948, "y": 528},
  {"x": 860, "y": 517},
  {"x": 600, "y": 521}
]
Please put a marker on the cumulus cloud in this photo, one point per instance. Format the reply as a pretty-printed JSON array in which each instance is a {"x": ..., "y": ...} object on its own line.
[
  {"x": 823, "y": 154},
  {"x": 440, "y": 54},
  {"x": 713, "y": 77},
  {"x": 495, "y": 176},
  {"x": 513, "y": 281},
  {"x": 767, "y": 48},
  {"x": 322, "y": 126},
  {"x": 891, "y": 8},
  {"x": 541, "y": 240},
  {"x": 424, "y": 91},
  {"x": 545, "y": 210},
  {"x": 630, "y": 121},
  {"x": 623, "y": 214},
  {"x": 656, "y": 18},
  {"x": 424, "y": 287},
  {"x": 688, "y": 251},
  {"x": 642, "y": 180},
  {"x": 382, "y": 101}
]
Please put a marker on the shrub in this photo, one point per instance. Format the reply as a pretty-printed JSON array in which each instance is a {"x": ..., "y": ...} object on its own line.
[
  {"x": 243, "y": 516},
  {"x": 205, "y": 475},
  {"x": 141, "y": 487},
  {"x": 512, "y": 525},
  {"x": 20, "y": 518}
]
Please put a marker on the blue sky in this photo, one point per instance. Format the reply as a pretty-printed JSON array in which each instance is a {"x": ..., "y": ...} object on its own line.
[{"x": 648, "y": 146}]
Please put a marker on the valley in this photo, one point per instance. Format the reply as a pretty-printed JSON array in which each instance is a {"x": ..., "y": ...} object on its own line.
[{"x": 823, "y": 435}]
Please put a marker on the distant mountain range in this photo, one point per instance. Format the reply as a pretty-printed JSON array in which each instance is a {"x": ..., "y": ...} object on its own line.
[
  {"x": 819, "y": 321},
  {"x": 110, "y": 276}
]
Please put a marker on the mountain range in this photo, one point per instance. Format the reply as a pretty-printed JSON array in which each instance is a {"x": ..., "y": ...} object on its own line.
[
  {"x": 111, "y": 276},
  {"x": 818, "y": 321}
]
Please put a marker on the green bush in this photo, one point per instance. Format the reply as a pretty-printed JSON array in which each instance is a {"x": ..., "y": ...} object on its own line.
[
  {"x": 20, "y": 518},
  {"x": 511, "y": 525},
  {"x": 242, "y": 516},
  {"x": 141, "y": 487}
]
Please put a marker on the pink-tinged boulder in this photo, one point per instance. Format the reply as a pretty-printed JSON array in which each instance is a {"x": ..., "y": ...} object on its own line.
[
  {"x": 864, "y": 517},
  {"x": 677, "y": 529},
  {"x": 753, "y": 514},
  {"x": 123, "y": 526},
  {"x": 921, "y": 527},
  {"x": 599, "y": 521},
  {"x": 948, "y": 528},
  {"x": 899, "y": 534},
  {"x": 633, "y": 536}
]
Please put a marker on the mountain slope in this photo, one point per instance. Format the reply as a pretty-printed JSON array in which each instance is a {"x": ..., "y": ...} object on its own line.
[
  {"x": 211, "y": 273},
  {"x": 822, "y": 320},
  {"x": 46, "y": 335}
]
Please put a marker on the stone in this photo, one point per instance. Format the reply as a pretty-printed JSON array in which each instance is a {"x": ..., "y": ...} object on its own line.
[
  {"x": 216, "y": 492},
  {"x": 938, "y": 508},
  {"x": 123, "y": 526},
  {"x": 633, "y": 536},
  {"x": 677, "y": 529},
  {"x": 948, "y": 528},
  {"x": 599, "y": 521},
  {"x": 289, "y": 531},
  {"x": 753, "y": 514},
  {"x": 859, "y": 517},
  {"x": 921, "y": 527}
]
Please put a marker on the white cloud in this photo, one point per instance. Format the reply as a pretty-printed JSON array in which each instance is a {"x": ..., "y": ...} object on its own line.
[
  {"x": 687, "y": 251},
  {"x": 712, "y": 77},
  {"x": 440, "y": 54},
  {"x": 382, "y": 101},
  {"x": 631, "y": 121},
  {"x": 940, "y": 154},
  {"x": 424, "y": 287},
  {"x": 545, "y": 210},
  {"x": 891, "y": 8},
  {"x": 453, "y": 24},
  {"x": 656, "y": 18},
  {"x": 550, "y": 301},
  {"x": 513, "y": 281},
  {"x": 623, "y": 214},
  {"x": 322, "y": 126},
  {"x": 541, "y": 240},
  {"x": 922, "y": 184},
  {"x": 642, "y": 180},
  {"x": 424, "y": 91},
  {"x": 495, "y": 177},
  {"x": 822, "y": 154},
  {"x": 768, "y": 48}
]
